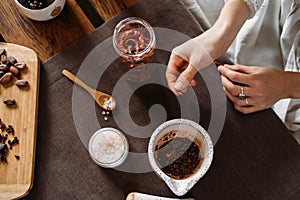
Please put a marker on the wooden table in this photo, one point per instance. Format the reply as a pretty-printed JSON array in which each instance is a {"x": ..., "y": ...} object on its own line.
[
  {"x": 255, "y": 157},
  {"x": 78, "y": 18}
]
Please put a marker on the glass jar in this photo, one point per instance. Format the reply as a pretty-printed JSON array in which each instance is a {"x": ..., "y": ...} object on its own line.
[
  {"x": 134, "y": 41},
  {"x": 108, "y": 147}
]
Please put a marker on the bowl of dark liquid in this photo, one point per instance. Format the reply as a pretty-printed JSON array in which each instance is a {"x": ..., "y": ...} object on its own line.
[
  {"x": 40, "y": 10},
  {"x": 180, "y": 152}
]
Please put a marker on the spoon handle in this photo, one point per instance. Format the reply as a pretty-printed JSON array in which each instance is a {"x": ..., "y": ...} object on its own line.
[{"x": 76, "y": 80}]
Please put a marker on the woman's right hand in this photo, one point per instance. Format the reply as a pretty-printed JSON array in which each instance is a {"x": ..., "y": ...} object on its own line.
[
  {"x": 185, "y": 61},
  {"x": 195, "y": 54}
]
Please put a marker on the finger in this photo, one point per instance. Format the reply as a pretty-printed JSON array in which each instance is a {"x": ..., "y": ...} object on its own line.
[
  {"x": 241, "y": 68},
  {"x": 193, "y": 83},
  {"x": 234, "y": 76},
  {"x": 185, "y": 79},
  {"x": 234, "y": 89},
  {"x": 176, "y": 61},
  {"x": 171, "y": 76},
  {"x": 172, "y": 72},
  {"x": 248, "y": 101},
  {"x": 229, "y": 86}
]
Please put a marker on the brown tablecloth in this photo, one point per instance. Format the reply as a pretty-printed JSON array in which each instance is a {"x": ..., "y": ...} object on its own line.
[{"x": 255, "y": 157}]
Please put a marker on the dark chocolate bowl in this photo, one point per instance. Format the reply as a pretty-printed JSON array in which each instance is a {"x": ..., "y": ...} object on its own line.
[
  {"x": 33, "y": 10},
  {"x": 182, "y": 129}
]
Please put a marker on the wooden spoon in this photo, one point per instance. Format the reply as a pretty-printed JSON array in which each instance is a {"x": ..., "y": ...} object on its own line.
[{"x": 104, "y": 100}]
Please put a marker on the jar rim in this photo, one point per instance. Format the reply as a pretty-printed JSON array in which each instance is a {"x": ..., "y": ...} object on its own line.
[
  {"x": 131, "y": 20},
  {"x": 115, "y": 162}
]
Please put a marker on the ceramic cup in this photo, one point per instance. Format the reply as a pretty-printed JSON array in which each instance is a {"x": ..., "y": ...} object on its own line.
[
  {"x": 50, "y": 12},
  {"x": 186, "y": 129}
]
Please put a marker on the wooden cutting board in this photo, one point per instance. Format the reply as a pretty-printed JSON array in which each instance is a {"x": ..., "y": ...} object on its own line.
[{"x": 16, "y": 176}]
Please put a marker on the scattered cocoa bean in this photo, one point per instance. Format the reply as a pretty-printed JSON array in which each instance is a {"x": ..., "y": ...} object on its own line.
[
  {"x": 13, "y": 142},
  {"x": 2, "y": 52},
  {"x": 14, "y": 71},
  {"x": 9, "y": 101},
  {"x": 10, "y": 130},
  {"x": 3, "y": 150},
  {"x": 9, "y": 68},
  {"x": 4, "y": 59},
  {"x": 2, "y": 127},
  {"x": 12, "y": 60},
  {"x": 22, "y": 83},
  {"x": 20, "y": 66},
  {"x": 6, "y": 78},
  {"x": 9, "y": 138},
  {"x": 4, "y": 67}
]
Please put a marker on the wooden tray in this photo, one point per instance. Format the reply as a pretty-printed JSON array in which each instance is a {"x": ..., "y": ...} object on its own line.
[{"x": 16, "y": 176}]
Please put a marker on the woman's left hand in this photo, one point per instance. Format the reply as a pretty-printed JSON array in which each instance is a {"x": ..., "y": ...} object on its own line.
[{"x": 262, "y": 87}]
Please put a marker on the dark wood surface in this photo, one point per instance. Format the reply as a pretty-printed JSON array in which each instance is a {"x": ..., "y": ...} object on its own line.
[
  {"x": 255, "y": 157},
  {"x": 50, "y": 37}
]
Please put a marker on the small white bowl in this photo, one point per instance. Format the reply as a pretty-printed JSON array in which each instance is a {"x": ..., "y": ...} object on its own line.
[
  {"x": 108, "y": 147},
  {"x": 182, "y": 186},
  {"x": 50, "y": 12}
]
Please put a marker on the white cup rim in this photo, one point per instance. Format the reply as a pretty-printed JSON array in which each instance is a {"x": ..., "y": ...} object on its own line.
[{"x": 45, "y": 14}]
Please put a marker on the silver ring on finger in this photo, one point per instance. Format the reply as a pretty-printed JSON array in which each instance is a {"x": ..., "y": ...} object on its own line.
[
  {"x": 246, "y": 101},
  {"x": 242, "y": 94}
]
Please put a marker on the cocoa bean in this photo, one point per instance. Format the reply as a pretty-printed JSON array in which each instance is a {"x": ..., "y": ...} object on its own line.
[
  {"x": 4, "y": 59},
  {"x": 20, "y": 66},
  {"x": 12, "y": 60},
  {"x": 2, "y": 52},
  {"x": 4, "y": 67},
  {"x": 9, "y": 101},
  {"x": 14, "y": 71},
  {"x": 22, "y": 83},
  {"x": 6, "y": 78}
]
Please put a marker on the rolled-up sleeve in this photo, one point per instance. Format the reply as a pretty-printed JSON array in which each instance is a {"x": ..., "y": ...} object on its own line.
[{"x": 254, "y": 5}]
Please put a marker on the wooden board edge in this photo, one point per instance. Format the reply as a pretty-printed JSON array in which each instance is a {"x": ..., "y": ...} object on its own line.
[
  {"x": 36, "y": 125},
  {"x": 15, "y": 191},
  {"x": 34, "y": 54}
]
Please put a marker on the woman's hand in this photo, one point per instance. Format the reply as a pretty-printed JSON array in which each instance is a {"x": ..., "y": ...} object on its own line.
[
  {"x": 263, "y": 87},
  {"x": 187, "y": 59}
]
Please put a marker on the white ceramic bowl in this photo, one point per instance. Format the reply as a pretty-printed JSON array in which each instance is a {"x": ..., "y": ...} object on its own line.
[
  {"x": 182, "y": 186},
  {"x": 108, "y": 147},
  {"x": 44, "y": 14}
]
